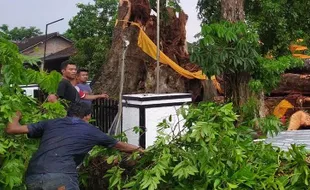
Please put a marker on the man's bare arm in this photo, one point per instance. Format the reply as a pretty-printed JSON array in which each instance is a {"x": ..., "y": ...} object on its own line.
[
  {"x": 15, "y": 127},
  {"x": 94, "y": 97},
  {"x": 129, "y": 148}
]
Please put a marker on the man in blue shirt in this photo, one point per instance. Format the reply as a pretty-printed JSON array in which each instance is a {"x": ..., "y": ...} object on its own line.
[
  {"x": 82, "y": 77},
  {"x": 64, "y": 144}
]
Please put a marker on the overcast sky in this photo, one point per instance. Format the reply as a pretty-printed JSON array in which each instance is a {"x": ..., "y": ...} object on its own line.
[{"x": 39, "y": 12}]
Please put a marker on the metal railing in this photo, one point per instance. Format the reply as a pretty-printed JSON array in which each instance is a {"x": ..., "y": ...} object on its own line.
[{"x": 103, "y": 110}]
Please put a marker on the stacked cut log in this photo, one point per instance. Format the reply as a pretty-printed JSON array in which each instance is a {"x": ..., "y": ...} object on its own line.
[{"x": 293, "y": 81}]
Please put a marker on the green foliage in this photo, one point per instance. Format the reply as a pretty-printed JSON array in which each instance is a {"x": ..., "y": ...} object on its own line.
[
  {"x": 262, "y": 126},
  {"x": 270, "y": 125},
  {"x": 209, "y": 11},
  {"x": 250, "y": 109},
  {"x": 278, "y": 23},
  {"x": 15, "y": 151},
  {"x": 43, "y": 79},
  {"x": 91, "y": 30},
  {"x": 234, "y": 48},
  {"x": 17, "y": 34},
  {"x": 267, "y": 75},
  {"x": 226, "y": 46},
  {"x": 209, "y": 152}
]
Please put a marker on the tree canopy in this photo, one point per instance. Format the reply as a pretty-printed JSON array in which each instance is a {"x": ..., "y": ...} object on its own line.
[
  {"x": 91, "y": 30},
  {"x": 19, "y": 33},
  {"x": 278, "y": 23}
]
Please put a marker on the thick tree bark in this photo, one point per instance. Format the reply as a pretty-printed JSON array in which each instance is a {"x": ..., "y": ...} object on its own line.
[
  {"x": 209, "y": 90},
  {"x": 263, "y": 111},
  {"x": 139, "y": 67},
  {"x": 108, "y": 78},
  {"x": 232, "y": 10},
  {"x": 236, "y": 87},
  {"x": 292, "y": 83}
]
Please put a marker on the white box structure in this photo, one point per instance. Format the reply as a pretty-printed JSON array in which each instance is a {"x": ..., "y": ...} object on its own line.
[
  {"x": 147, "y": 111},
  {"x": 30, "y": 90}
]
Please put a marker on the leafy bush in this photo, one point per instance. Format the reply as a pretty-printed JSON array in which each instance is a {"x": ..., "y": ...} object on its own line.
[
  {"x": 210, "y": 153},
  {"x": 269, "y": 125},
  {"x": 232, "y": 50},
  {"x": 267, "y": 74},
  {"x": 15, "y": 151},
  {"x": 226, "y": 47},
  {"x": 278, "y": 23}
]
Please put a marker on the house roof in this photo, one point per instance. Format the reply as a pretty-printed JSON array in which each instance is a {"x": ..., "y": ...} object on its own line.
[
  {"x": 62, "y": 54},
  {"x": 30, "y": 42}
]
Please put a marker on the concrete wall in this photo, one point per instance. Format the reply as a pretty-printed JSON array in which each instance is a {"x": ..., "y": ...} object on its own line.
[
  {"x": 154, "y": 116},
  {"x": 53, "y": 45},
  {"x": 147, "y": 111}
]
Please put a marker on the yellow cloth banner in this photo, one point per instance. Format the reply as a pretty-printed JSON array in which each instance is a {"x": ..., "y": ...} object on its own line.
[
  {"x": 280, "y": 110},
  {"x": 148, "y": 46}
]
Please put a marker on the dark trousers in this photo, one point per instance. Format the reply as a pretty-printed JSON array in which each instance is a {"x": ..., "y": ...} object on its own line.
[{"x": 52, "y": 181}]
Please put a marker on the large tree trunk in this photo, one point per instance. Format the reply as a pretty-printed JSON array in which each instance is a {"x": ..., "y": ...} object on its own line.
[
  {"x": 292, "y": 83},
  {"x": 140, "y": 68},
  {"x": 232, "y": 10},
  {"x": 237, "y": 88},
  {"x": 236, "y": 84},
  {"x": 107, "y": 80}
]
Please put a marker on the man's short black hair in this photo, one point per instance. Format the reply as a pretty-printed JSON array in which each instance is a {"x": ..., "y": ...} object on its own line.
[
  {"x": 82, "y": 70},
  {"x": 65, "y": 64},
  {"x": 79, "y": 109}
]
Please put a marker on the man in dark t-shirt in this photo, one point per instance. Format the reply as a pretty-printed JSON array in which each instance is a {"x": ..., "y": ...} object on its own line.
[
  {"x": 67, "y": 91},
  {"x": 66, "y": 87},
  {"x": 64, "y": 144}
]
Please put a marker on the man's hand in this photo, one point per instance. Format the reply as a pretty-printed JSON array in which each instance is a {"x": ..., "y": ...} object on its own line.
[
  {"x": 94, "y": 97},
  {"x": 103, "y": 96},
  {"x": 129, "y": 148},
  {"x": 15, "y": 127},
  {"x": 52, "y": 98},
  {"x": 140, "y": 149}
]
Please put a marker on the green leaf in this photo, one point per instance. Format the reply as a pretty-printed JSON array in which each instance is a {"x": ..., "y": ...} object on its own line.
[
  {"x": 110, "y": 160},
  {"x": 232, "y": 186},
  {"x": 130, "y": 184},
  {"x": 216, "y": 183}
]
